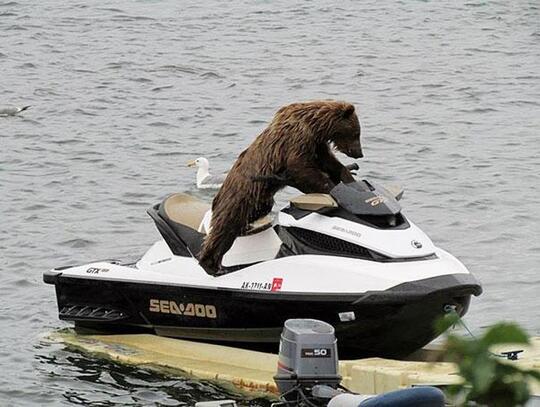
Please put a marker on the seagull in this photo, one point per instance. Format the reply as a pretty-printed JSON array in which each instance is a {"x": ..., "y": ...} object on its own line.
[
  {"x": 204, "y": 179},
  {"x": 12, "y": 111}
]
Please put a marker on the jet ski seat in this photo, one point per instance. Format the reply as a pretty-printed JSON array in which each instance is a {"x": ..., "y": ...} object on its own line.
[
  {"x": 194, "y": 213},
  {"x": 183, "y": 221},
  {"x": 259, "y": 225},
  {"x": 185, "y": 210},
  {"x": 313, "y": 202},
  {"x": 177, "y": 218}
]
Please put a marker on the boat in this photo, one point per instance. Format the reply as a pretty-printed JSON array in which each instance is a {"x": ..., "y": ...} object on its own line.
[{"x": 350, "y": 258}]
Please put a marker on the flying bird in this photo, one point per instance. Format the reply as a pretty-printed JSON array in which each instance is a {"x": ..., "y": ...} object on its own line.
[{"x": 12, "y": 111}]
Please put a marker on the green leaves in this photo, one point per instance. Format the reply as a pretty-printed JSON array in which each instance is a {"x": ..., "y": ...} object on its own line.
[
  {"x": 488, "y": 379},
  {"x": 444, "y": 323},
  {"x": 504, "y": 332}
]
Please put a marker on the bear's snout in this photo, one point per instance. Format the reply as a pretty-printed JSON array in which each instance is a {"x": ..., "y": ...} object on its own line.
[{"x": 355, "y": 153}]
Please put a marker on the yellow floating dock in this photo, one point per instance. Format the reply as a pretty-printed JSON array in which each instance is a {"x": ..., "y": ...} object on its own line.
[{"x": 252, "y": 372}]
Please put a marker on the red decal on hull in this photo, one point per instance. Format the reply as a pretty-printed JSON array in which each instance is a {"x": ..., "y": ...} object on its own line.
[{"x": 276, "y": 284}]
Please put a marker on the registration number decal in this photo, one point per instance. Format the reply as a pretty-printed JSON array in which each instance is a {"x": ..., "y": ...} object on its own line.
[{"x": 274, "y": 285}]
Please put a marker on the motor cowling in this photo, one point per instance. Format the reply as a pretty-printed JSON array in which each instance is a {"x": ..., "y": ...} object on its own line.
[{"x": 307, "y": 355}]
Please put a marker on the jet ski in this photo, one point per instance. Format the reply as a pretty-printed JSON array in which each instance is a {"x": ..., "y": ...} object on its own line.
[{"x": 350, "y": 258}]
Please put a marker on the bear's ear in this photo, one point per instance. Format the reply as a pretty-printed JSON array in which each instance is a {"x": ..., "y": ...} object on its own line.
[{"x": 348, "y": 111}]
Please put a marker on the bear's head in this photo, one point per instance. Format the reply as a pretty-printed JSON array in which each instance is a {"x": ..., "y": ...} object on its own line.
[
  {"x": 345, "y": 133},
  {"x": 328, "y": 121}
]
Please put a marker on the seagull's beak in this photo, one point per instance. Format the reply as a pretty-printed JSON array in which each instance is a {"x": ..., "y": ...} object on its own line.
[{"x": 191, "y": 163}]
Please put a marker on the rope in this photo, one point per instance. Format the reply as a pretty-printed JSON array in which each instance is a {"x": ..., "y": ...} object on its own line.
[{"x": 510, "y": 355}]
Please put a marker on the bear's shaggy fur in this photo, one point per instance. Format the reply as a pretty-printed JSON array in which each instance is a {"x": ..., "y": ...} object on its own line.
[{"x": 294, "y": 150}]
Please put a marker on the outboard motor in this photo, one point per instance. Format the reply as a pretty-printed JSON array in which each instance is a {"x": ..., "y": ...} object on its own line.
[
  {"x": 307, "y": 358},
  {"x": 307, "y": 374}
]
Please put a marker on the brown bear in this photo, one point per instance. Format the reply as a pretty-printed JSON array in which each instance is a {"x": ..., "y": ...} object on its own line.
[{"x": 295, "y": 150}]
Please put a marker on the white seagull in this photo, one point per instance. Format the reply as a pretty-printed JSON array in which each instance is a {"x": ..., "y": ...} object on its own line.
[
  {"x": 12, "y": 111},
  {"x": 204, "y": 179}
]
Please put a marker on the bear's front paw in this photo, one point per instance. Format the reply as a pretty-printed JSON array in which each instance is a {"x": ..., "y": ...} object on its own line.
[{"x": 209, "y": 268}]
